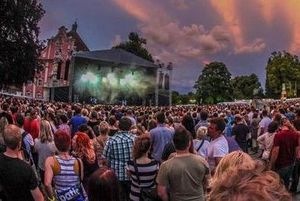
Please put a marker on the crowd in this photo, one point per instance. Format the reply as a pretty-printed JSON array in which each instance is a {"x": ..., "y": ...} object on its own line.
[{"x": 60, "y": 151}]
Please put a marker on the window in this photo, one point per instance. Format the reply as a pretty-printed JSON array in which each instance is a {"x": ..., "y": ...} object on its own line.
[{"x": 67, "y": 70}]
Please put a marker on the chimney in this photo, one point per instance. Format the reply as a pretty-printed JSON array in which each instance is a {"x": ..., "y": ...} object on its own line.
[{"x": 74, "y": 26}]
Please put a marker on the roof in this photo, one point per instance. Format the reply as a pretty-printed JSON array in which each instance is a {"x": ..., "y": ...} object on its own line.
[
  {"x": 115, "y": 55},
  {"x": 80, "y": 45}
]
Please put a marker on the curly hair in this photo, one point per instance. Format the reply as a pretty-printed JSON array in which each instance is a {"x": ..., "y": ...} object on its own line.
[
  {"x": 83, "y": 147},
  {"x": 248, "y": 185},
  {"x": 141, "y": 145}
]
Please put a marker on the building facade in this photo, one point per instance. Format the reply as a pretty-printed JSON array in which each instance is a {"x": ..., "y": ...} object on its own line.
[{"x": 56, "y": 60}]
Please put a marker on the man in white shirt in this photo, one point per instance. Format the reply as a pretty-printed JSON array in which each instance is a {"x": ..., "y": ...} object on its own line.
[{"x": 218, "y": 147}]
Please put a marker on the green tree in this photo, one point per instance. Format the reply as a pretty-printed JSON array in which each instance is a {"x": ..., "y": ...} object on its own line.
[
  {"x": 213, "y": 84},
  {"x": 282, "y": 68},
  {"x": 135, "y": 45},
  {"x": 19, "y": 44},
  {"x": 245, "y": 86}
]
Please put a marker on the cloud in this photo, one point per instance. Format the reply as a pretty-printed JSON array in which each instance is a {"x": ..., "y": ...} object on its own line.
[
  {"x": 227, "y": 9},
  {"x": 180, "y": 4},
  {"x": 116, "y": 41}
]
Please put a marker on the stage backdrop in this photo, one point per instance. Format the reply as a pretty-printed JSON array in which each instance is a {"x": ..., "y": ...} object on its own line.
[{"x": 113, "y": 77}]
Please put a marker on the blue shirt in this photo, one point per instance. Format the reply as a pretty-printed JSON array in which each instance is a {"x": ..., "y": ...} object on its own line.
[
  {"x": 160, "y": 136},
  {"x": 76, "y": 121}
]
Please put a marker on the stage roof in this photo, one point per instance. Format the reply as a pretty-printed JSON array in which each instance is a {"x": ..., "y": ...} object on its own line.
[{"x": 115, "y": 55}]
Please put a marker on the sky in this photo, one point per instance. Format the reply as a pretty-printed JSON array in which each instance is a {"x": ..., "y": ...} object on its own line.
[{"x": 189, "y": 33}]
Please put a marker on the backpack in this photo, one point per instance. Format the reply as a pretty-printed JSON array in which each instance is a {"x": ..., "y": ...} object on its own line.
[{"x": 27, "y": 154}]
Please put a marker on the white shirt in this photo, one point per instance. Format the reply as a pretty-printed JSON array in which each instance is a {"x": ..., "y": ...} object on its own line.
[{"x": 217, "y": 148}]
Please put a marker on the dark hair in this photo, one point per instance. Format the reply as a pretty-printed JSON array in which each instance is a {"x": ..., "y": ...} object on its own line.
[
  {"x": 62, "y": 141},
  {"x": 103, "y": 185},
  {"x": 94, "y": 114},
  {"x": 297, "y": 124},
  {"x": 5, "y": 106},
  {"x": 273, "y": 126},
  {"x": 77, "y": 109},
  {"x": 125, "y": 124},
  {"x": 83, "y": 128},
  {"x": 188, "y": 123},
  {"x": 112, "y": 120},
  {"x": 181, "y": 138},
  {"x": 141, "y": 145},
  {"x": 152, "y": 124},
  {"x": 203, "y": 115},
  {"x": 19, "y": 119},
  {"x": 264, "y": 113},
  {"x": 219, "y": 122},
  {"x": 63, "y": 118},
  {"x": 160, "y": 116}
]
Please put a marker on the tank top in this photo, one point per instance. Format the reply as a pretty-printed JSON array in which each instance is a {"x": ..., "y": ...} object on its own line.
[{"x": 66, "y": 173}]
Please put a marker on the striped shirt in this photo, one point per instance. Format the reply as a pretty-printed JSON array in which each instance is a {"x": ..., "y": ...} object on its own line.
[
  {"x": 147, "y": 174},
  {"x": 117, "y": 152},
  {"x": 67, "y": 176}
]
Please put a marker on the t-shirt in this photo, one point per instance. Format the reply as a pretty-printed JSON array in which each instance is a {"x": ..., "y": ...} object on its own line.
[
  {"x": 217, "y": 148},
  {"x": 202, "y": 151},
  {"x": 287, "y": 141},
  {"x": 17, "y": 179},
  {"x": 32, "y": 126},
  {"x": 184, "y": 176},
  {"x": 44, "y": 150},
  {"x": 76, "y": 121}
]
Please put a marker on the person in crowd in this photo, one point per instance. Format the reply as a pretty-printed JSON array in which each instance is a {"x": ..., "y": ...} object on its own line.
[
  {"x": 266, "y": 140},
  {"x": 185, "y": 175},
  {"x": 142, "y": 169},
  {"x": 93, "y": 121},
  {"x": 76, "y": 120},
  {"x": 32, "y": 123},
  {"x": 3, "y": 123},
  {"x": 254, "y": 131},
  {"x": 296, "y": 170},
  {"x": 103, "y": 186},
  {"x": 17, "y": 178},
  {"x": 284, "y": 151},
  {"x": 44, "y": 146},
  {"x": 264, "y": 123},
  {"x": 52, "y": 119},
  {"x": 203, "y": 120},
  {"x": 160, "y": 136},
  {"x": 113, "y": 125},
  {"x": 27, "y": 139},
  {"x": 240, "y": 132},
  {"x": 83, "y": 149},
  {"x": 152, "y": 123},
  {"x": 84, "y": 128},
  {"x": 63, "y": 124},
  {"x": 233, "y": 160},
  {"x": 85, "y": 114},
  {"x": 6, "y": 114},
  {"x": 218, "y": 147},
  {"x": 241, "y": 184},
  {"x": 100, "y": 141},
  {"x": 188, "y": 123},
  {"x": 117, "y": 152},
  {"x": 63, "y": 170},
  {"x": 129, "y": 115},
  {"x": 200, "y": 143}
]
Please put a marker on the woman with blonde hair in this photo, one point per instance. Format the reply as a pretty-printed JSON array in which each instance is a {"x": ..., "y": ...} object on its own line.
[
  {"x": 231, "y": 161},
  {"x": 3, "y": 123},
  {"x": 100, "y": 141},
  {"x": 84, "y": 149},
  {"x": 200, "y": 144},
  {"x": 44, "y": 146}
]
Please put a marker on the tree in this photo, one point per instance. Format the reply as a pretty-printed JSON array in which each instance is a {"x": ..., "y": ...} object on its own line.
[
  {"x": 282, "y": 68},
  {"x": 19, "y": 44},
  {"x": 213, "y": 84},
  {"x": 135, "y": 45},
  {"x": 246, "y": 86}
]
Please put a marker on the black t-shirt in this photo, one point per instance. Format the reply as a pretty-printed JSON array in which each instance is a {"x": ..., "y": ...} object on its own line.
[
  {"x": 17, "y": 179},
  {"x": 240, "y": 132}
]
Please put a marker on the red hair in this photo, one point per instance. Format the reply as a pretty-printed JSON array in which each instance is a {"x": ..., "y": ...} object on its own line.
[
  {"x": 62, "y": 140},
  {"x": 83, "y": 147}
]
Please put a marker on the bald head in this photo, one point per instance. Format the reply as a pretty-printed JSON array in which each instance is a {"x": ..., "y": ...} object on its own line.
[{"x": 12, "y": 136}]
